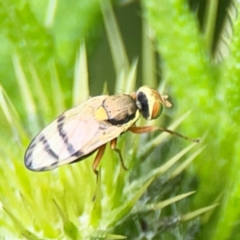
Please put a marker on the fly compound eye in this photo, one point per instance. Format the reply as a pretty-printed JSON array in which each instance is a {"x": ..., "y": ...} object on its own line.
[
  {"x": 156, "y": 110},
  {"x": 150, "y": 103}
]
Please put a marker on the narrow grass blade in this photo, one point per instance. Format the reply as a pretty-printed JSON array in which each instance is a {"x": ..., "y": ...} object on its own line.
[
  {"x": 161, "y": 170},
  {"x": 132, "y": 77},
  {"x": 172, "y": 161},
  {"x": 50, "y": 14},
  {"x": 26, "y": 94},
  {"x": 17, "y": 222},
  {"x": 97, "y": 206},
  {"x": 12, "y": 117},
  {"x": 114, "y": 237},
  {"x": 185, "y": 164},
  {"x": 118, "y": 51},
  {"x": 149, "y": 58},
  {"x": 105, "y": 236},
  {"x": 209, "y": 24},
  {"x": 122, "y": 211},
  {"x": 40, "y": 93},
  {"x": 58, "y": 101},
  {"x": 196, "y": 213},
  {"x": 165, "y": 203},
  {"x": 69, "y": 228},
  {"x": 207, "y": 215},
  {"x": 80, "y": 84},
  {"x": 171, "y": 200}
]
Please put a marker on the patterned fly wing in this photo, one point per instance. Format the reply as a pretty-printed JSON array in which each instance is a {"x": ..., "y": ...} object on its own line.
[{"x": 73, "y": 135}]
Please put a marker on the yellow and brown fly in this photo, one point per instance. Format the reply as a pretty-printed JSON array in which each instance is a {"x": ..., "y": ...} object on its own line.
[{"x": 88, "y": 127}]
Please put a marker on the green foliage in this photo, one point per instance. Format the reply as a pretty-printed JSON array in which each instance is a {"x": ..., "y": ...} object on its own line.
[
  {"x": 212, "y": 92},
  {"x": 43, "y": 71},
  {"x": 45, "y": 34}
]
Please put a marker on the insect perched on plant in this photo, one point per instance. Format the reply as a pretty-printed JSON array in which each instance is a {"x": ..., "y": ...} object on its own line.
[{"x": 88, "y": 127}]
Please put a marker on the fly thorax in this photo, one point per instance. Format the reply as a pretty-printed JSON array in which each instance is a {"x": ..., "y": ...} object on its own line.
[{"x": 120, "y": 109}]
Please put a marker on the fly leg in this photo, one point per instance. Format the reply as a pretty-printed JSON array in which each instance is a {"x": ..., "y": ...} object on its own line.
[
  {"x": 146, "y": 129},
  {"x": 113, "y": 144},
  {"x": 98, "y": 158},
  {"x": 95, "y": 165}
]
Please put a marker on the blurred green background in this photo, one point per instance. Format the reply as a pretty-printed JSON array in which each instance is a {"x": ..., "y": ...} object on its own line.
[{"x": 195, "y": 55}]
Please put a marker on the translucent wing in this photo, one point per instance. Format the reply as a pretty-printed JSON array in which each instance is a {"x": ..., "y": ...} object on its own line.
[{"x": 73, "y": 135}]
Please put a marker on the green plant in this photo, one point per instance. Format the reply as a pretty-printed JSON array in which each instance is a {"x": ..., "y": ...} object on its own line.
[{"x": 59, "y": 204}]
